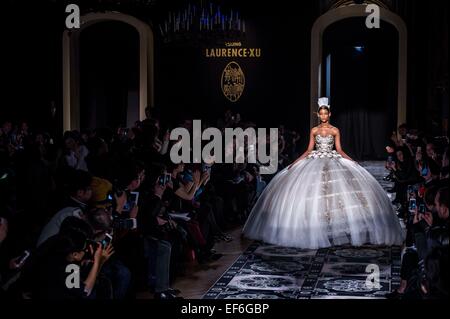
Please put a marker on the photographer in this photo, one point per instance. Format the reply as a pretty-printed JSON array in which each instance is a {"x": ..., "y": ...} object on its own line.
[
  {"x": 425, "y": 238},
  {"x": 431, "y": 230},
  {"x": 10, "y": 268},
  {"x": 431, "y": 173},
  {"x": 153, "y": 225},
  {"x": 128, "y": 180},
  {"x": 111, "y": 228},
  {"x": 118, "y": 274},
  {"x": 404, "y": 173},
  {"x": 69, "y": 249}
]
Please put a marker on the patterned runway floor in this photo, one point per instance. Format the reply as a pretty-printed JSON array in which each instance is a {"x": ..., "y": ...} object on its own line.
[{"x": 272, "y": 272}]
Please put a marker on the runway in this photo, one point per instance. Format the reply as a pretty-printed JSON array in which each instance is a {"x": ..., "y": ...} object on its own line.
[{"x": 271, "y": 272}]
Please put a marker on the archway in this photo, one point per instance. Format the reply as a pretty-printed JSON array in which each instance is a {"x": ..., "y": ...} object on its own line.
[
  {"x": 350, "y": 11},
  {"x": 71, "y": 65}
]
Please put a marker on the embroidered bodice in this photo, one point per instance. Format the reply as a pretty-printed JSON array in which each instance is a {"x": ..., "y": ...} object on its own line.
[{"x": 324, "y": 147}]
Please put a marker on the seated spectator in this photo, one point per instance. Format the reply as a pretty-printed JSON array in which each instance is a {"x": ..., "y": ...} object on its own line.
[
  {"x": 430, "y": 232},
  {"x": 75, "y": 152},
  {"x": 117, "y": 273},
  {"x": 432, "y": 175},
  {"x": 405, "y": 174},
  {"x": 68, "y": 252},
  {"x": 10, "y": 268},
  {"x": 80, "y": 193}
]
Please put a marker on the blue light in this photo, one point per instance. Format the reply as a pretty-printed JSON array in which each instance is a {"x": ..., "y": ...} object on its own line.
[{"x": 359, "y": 49}]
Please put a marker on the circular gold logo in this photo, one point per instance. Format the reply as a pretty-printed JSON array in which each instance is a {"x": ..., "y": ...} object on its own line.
[{"x": 232, "y": 81}]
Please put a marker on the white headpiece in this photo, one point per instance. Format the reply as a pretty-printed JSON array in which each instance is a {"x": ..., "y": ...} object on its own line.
[{"x": 323, "y": 101}]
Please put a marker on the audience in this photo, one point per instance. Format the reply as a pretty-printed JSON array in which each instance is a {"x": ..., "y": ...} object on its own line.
[
  {"x": 111, "y": 202},
  {"x": 421, "y": 189}
]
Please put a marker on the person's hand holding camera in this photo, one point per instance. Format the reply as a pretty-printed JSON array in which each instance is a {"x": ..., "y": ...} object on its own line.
[
  {"x": 120, "y": 201},
  {"x": 157, "y": 145},
  {"x": 204, "y": 177},
  {"x": 159, "y": 190},
  {"x": 417, "y": 217},
  {"x": 196, "y": 177},
  {"x": 102, "y": 254},
  {"x": 392, "y": 166}
]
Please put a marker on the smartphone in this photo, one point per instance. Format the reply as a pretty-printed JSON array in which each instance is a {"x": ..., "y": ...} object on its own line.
[
  {"x": 412, "y": 204},
  {"x": 162, "y": 180},
  {"x": 422, "y": 209},
  {"x": 23, "y": 257},
  {"x": 206, "y": 168},
  {"x": 107, "y": 240},
  {"x": 132, "y": 200},
  {"x": 424, "y": 171}
]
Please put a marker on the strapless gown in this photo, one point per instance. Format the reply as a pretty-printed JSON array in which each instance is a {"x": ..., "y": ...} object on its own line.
[{"x": 324, "y": 200}]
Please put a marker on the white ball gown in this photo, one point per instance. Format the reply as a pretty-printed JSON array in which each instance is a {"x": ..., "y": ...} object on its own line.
[{"x": 324, "y": 200}]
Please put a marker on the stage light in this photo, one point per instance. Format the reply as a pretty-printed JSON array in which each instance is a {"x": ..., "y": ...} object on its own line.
[{"x": 359, "y": 48}]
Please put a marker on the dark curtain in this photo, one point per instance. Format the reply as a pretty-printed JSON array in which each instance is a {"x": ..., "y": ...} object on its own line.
[
  {"x": 109, "y": 72},
  {"x": 363, "y": 85}
]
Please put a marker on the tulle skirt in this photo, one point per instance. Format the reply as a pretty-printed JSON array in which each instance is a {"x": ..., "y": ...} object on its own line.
[{"x": 322, "y": 202}]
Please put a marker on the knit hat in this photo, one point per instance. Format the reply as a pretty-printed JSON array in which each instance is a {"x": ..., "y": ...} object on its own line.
[{"x": 101, "y": 191}]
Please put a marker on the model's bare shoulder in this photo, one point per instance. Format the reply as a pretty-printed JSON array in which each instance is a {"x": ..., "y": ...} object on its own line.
[
  {"x": 334, "y": 130},
  {"x": 314, "y": 130}
]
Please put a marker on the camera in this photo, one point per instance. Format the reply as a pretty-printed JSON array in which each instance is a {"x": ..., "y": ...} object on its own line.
[
  {"x": 206, "y": 168},
  {"x": 164, "y": 179},
  {"x": 107, "y": 240},
  {"x": 132, "y": 200},
  {"x": 422, "y": 209},
  {"x": 412, "y": 204},
  {"x": 424, "y": 171}
]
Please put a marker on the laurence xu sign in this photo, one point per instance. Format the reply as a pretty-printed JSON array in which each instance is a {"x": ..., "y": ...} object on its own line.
[{"x": 232, "y": 79}]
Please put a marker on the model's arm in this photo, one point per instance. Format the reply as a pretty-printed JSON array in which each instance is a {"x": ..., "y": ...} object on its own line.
[
  {"x": 337, "y": 141},
  {"x": 310, "y": 148}
]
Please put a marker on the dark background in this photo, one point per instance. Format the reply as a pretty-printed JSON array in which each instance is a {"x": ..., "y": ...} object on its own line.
[{"x": 187, "y": 83}]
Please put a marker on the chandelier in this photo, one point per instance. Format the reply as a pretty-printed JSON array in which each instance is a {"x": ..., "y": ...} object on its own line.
[{"x": 202, "y": 22}]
